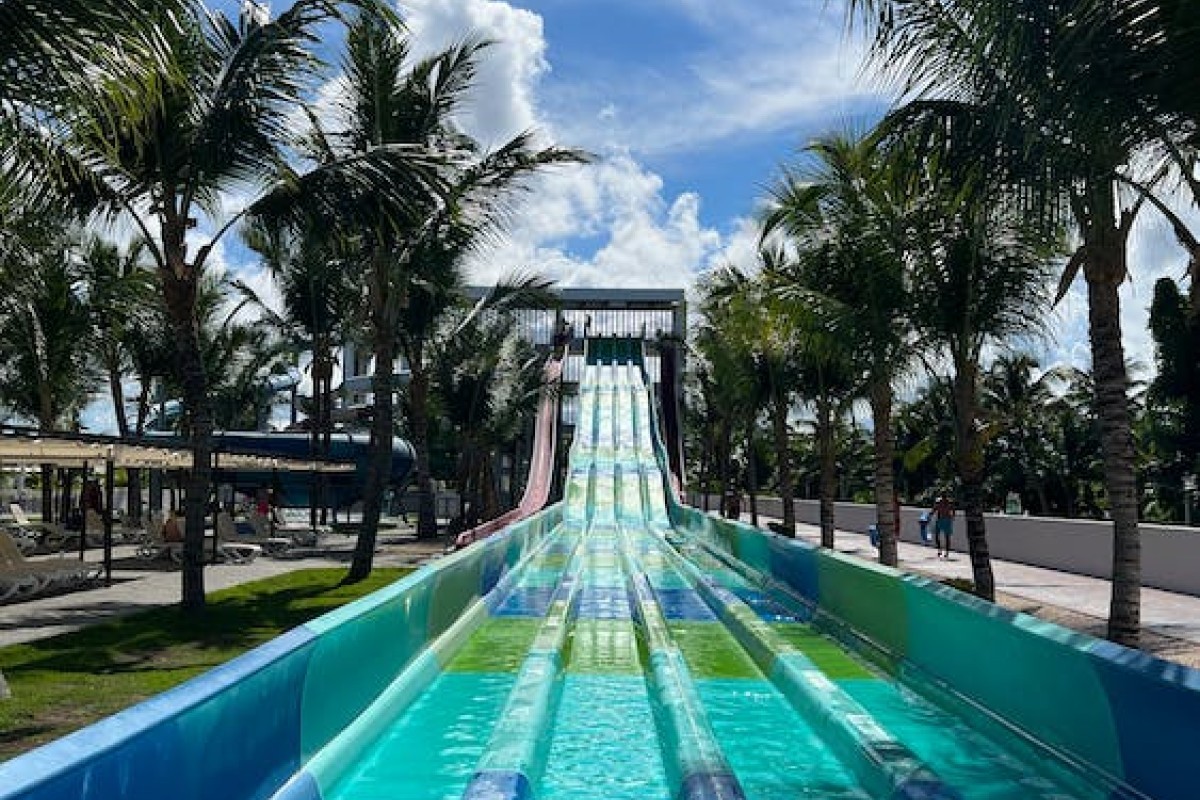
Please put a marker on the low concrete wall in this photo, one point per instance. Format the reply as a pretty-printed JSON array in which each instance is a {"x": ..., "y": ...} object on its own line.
[{"x": 1170, "y": 553}]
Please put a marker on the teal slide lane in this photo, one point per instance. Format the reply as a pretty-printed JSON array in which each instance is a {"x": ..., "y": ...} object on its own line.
[{"x": 621, "y": 645}]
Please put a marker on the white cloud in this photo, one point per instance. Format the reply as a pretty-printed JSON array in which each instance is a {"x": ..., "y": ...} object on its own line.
[
  {"x": 762, "y": 68},
  {"x": 502, "y": 104},
  {"x": 645, "y": 239}
]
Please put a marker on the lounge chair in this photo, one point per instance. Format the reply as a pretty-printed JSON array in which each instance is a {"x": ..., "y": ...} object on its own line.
[
  {"x": 155, "y": 546},
  {"x": 302, "y": 533},
  {"x": 95, "y": 529},
  {"x": 26, "y": 541},
  {"x": 52, "y": 536},
  {"x": 260, "y": 534},
  {"x": 46, "y": 575},
  {"x": 237, "y": 552}
]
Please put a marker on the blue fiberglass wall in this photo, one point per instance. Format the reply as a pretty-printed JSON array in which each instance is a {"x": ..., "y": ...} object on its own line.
[
  {"x": 1132, "y": 716},
  {"x": 245, "y": 728}
]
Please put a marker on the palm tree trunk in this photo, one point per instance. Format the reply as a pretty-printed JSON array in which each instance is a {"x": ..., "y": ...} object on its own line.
[
  {"x": 885, "y": 479},
  {"x": 1104, "y": 272},
  {"x": 180, "y": 296},
  {"x": 47, "y": 492},
  {"x": 118, "y": 400},
  {"x": 491, "y": 498},
  {"x": 752, "y": 475},
  {"x": 969, "y": 458},
  {"x": 379, "y": 466},
  {"x": 783, "y": 455},
  {"x": 135, "y": 475},
  {"x": 726, "y": 439},
  {"x": 828, "y": 456},
  {"x": 418, "y": 398}
]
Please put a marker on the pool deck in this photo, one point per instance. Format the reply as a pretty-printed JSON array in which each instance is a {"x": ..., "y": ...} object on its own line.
[
  {"x": 139, "y": 584},
  {"x": 1171, "y": 620}
]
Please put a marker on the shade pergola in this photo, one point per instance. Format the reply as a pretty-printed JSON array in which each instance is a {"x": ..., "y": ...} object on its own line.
[
  {"x": 21, "y": 446},
  {"x": 26, "y": 446}
]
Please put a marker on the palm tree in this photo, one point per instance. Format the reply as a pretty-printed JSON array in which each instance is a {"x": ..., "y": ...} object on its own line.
[
  {"x": 47, "y": 373},
  {"x": 319, "y": 304},
  {"x": 731, "y": 390},
  {"x": 487, "y": 380},
  {"x": 984, "y": 270},
  {"x": 1016, "y": 393},
  {"x": 1048, "y": 82},
  {"x": 761, "y": 340},
  {"x": 409, "y": 254},
  {"x": 845, "y": 208},
  {"x": 925, "y": 440},
  {"x": 120, "y": 286},
  {"x": 214, "y": 116}
]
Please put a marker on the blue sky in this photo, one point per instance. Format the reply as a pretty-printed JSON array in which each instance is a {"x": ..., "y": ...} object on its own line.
[{"x": 690, "y": 106}]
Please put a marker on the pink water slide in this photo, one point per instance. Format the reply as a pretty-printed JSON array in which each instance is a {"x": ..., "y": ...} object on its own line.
[{"x": 541, "y": 466}]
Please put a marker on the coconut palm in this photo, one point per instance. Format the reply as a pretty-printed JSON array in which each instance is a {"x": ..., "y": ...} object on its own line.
[
  {"x": 845, "y": 208},
  {"x": 1016, "y": 393},
  {"x": 214, "y": 118},
  {"x": 409, "y": 255},
  {"x": 487, "y": 379},
  {"x": 831, "y": 366},
  {"x": 760, "y": 354},
  {"x": 984, "y": 272},
  {"x": 319, "y": 304},
  {"x": 1051, "y": 85},
  {"x": 732, "y": 391},
  {"x": 119, "y": 287},
  {"x": 46, "y": 374}
]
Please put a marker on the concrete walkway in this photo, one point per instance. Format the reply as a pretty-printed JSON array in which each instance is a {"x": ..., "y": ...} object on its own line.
[
  {"x": 1170, "y": 621},
  {"x": 139, "y": 585}
]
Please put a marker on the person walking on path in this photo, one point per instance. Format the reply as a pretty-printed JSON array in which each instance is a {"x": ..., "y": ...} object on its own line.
[{"x": 943, "y": 524}]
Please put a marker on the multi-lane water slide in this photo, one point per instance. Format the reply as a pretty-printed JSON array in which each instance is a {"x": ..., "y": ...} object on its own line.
[{"x": 620, "y": 645}]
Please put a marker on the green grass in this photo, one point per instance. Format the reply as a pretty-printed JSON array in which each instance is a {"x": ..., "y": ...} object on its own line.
[{"x": 65, "y": 682}]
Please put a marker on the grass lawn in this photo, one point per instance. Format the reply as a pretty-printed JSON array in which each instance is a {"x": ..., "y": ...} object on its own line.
[{"x": 65, "y": 682}]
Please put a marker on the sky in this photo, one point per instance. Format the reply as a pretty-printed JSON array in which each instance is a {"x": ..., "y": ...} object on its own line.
[{"x": 691, "y": 107}]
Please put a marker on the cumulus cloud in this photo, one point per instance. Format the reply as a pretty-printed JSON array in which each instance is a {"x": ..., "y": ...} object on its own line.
[
  {"x": 642, "y": 239},
  {"x": 503, "y": 103}
]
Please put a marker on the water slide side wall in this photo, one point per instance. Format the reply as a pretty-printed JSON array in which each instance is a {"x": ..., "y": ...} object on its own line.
[
  {"x": 245, "y": 728},
  {"x": 1170, "y": 553},
  {"x": 1127, "y": 714}
]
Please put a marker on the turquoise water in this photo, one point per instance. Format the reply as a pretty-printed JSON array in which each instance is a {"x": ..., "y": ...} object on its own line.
[
  {"x": 430, "y": 751},
  {"x": 602, "y": 721},
  {"x": 774, "y": 752},
  {"x": 601, "y": 724}
]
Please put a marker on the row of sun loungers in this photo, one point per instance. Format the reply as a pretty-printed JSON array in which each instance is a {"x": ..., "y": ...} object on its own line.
[
  {"x": 275, "y": 537},
  {"x": 22, "y": 578}
]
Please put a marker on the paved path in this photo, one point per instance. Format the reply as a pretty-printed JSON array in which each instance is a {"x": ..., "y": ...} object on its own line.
[
  {"x": 1077, "y": 601},
  {"x": 139, "y": 585}
]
